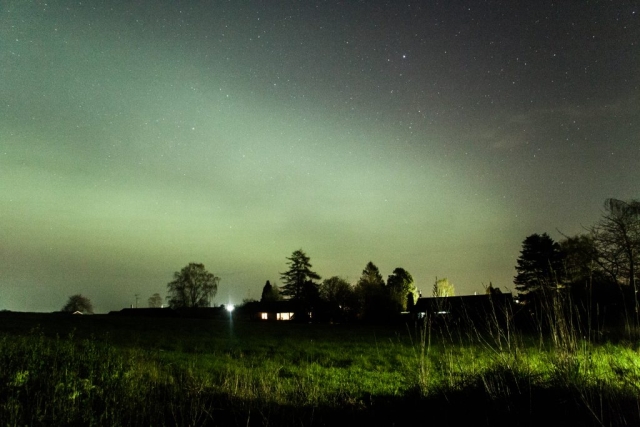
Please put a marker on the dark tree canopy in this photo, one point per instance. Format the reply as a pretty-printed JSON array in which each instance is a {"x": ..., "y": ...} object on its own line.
[
  {"x": 371, "y": 277},
  {"x": 336, "y": 289},
  {"x": 298, "y": 277},
  {"x": 411, "y": 302},
  {"x": 270, "y": 293},
  {"x": 491, "y": 290},
  {"x": 399, "y": 285},
  {"x": 590, "y": 287},
  {"x": 539, "y": 267},
  {"x": 617, "y": 239},
  {"x": 193, "y": 286},
  {"x": 155, "y": 301},
  {"x": 339, "y": 297},
  {"x": 373, "y": 299},
  {"x": 79, "y": 303},
  {"x": 579, "y": 259}
]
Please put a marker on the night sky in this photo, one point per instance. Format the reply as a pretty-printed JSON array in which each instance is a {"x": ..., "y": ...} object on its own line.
[{"x": 429, "y": 135}]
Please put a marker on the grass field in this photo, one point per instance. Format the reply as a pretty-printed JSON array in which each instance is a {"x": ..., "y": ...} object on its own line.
[{"x": 106, "y": 370}]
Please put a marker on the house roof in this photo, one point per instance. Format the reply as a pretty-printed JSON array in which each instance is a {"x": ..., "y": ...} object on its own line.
[
  {"x": 283, "y": 306},
  {"x": 463, "y": 302}
]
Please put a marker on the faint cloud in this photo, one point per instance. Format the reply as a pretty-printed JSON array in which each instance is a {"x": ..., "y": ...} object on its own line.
[
  {"x": 510, "y": 133},
  {"x": 506, "y": 142},
  {"x": 520, "y": 129}
]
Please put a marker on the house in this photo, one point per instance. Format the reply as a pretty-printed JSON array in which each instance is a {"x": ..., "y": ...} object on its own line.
[
  {"x": 276, "y": 310},
  {"x": 469, "y": 309},
  {"x": 273, "y": 310}
]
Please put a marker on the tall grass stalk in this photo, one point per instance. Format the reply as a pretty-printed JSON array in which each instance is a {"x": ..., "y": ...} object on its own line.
[{"x": 497, "y": 360}]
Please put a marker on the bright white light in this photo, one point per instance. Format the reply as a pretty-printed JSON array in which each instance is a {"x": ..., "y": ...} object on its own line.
[{"x": 230, "y": 307}]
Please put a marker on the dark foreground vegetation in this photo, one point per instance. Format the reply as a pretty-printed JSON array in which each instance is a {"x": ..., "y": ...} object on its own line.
[{"x": 109, "y": 370}]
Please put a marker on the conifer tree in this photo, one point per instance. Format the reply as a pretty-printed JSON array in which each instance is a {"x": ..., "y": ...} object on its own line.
[
  {"x": 539, "y": 268},
  {"x": 298, "y": 276}
]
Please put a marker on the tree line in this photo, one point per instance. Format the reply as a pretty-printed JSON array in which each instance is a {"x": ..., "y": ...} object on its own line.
[
  {"x": 595, "y": 271},
  {"x": 335, "y": 298}
]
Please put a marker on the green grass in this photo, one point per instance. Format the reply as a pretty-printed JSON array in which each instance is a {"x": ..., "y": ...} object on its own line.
[{"x": 102, "y": 370}]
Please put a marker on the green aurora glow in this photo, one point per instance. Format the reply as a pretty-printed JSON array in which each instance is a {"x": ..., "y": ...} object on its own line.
[{"x": 137, "y": 138}]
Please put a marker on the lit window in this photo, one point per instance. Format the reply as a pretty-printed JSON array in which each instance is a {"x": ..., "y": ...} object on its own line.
[
  {"x": 284, "y": 316},
  {"x": 264, "y": 316}
]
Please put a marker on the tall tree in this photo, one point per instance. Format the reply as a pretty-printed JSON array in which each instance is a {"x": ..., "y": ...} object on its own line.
[
  {"x": 579, "y": 259},
  {"x": 193, "y": 286},
  {"x": 443, "y": 288},
  {"x": 539, "y": 267},
  {"x": 590, "y": 287},
  {"x": 155, "y": 301},
  {"x": 298, "y": 277},
  {"x": 399, "y": 286},
  {"x": 79, "y": 303},
  {"x": 270, "y": 293},
  {"x": 339, "y": 296},
  {"x": 371, "y": 277},
  {"x": 373, "y": 299},
  {"x": 617, "y": 239}
]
